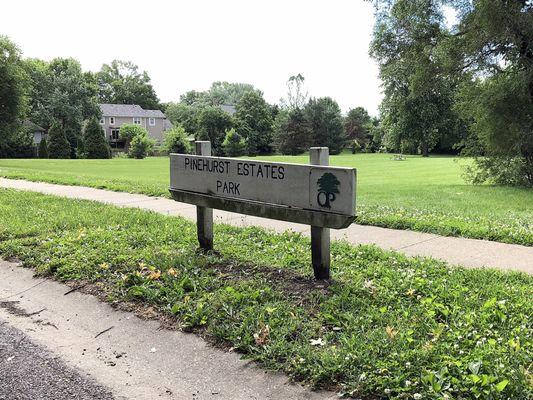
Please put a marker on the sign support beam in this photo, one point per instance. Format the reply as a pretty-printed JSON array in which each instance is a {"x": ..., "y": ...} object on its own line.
[
  {"x": 320, "y": 237},
  {"x": 204, "y": 215}
]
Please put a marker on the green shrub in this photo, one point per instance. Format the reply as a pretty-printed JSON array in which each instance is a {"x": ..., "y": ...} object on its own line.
[
  {"x": 355, "y": 147},
  {"x": 129, "y": 131},
  {"x": 233, "y": 145},
  {"x": 176, "y": 141},
  {"x": 140, "y": 146},
  {"x": 94, "y": 141},
  {"x": 58, "y": 145}
]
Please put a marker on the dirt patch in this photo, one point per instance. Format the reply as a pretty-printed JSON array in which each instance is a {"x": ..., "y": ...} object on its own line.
[{"x": 290, "y": 283}]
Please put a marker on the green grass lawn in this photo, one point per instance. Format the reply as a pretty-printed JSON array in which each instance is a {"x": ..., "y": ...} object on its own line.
[
  {"x": 387, "y": 326},
  {"x": 423, "y": 194}
]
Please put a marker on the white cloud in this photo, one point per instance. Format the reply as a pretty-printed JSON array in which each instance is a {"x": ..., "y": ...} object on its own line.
[{"x": 187, "y": 45}]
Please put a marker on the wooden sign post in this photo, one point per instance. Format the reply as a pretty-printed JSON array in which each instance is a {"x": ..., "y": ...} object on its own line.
[
  {"x": 204, "y": 215},
  {"x": 320, "y": 252},
  {"x": 315, "y": 194}
]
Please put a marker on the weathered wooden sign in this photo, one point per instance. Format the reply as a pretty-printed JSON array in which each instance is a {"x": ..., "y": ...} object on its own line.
[
  {"x": 317, "y": 195},
  {"x": 306, "y": 187}
]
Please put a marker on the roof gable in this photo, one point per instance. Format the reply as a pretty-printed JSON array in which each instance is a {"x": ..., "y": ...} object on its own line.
[{"x": 128, "y": 110}]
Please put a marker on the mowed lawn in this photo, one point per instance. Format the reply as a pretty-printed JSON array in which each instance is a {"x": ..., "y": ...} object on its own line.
[{"x": 423, "y": 194}]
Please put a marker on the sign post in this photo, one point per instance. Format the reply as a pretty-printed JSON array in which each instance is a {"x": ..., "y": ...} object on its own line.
[
  {"x": 313, "y": 194},
  {"x": 320, "y": 252},
  {"x": 204, "y": 215}
]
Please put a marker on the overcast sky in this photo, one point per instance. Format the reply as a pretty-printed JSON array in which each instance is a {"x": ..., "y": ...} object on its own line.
[{"x": 186, "y": 45}]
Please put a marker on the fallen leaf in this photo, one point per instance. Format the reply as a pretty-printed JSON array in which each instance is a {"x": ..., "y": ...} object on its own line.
[
  {"x": 391, "y": 332},
  {"x": 154, "y": 275},
  {"x": 262, "y": 336}
]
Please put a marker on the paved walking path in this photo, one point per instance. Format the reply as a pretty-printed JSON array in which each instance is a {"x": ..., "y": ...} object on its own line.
[
  {"x": 117, "y": 352},
  {"x": 467, "y": 252}
]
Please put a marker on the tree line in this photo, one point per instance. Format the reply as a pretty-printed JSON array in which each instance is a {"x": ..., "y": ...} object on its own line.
[
  {"x": 465, "y": 83},
  {"x": 257, "y": 127},
  {"x": 63, "y": 99},
  {"x": 462, "y": 86}
]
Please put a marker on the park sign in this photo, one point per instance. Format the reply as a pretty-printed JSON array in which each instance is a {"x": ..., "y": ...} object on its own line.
[
  {"x": 316, "y": 194},
  {"x": 282, "y": 188}
]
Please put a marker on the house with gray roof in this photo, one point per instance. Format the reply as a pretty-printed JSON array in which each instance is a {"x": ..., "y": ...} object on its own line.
[
  {"x": 116, "y": 115},
  {"x": 38, "y": 132}
]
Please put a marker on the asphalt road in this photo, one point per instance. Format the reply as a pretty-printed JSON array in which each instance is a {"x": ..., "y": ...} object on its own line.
[{"x": 28, "y": 371}]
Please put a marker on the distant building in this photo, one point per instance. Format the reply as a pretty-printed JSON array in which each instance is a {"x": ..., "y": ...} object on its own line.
[
  {"x": 228, "y": 108},
  {"x": 116, "y": 115},
  {"x": 38, "y": 132}
]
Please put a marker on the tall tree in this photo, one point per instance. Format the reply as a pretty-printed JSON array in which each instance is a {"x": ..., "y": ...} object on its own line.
[
  {"x": 297, "y": 94},
  {"x": 292, "y": 134},
  {"x": 228, "y": 92},
  {"x": 323, "y": 117},
  {"x": 254, "y": 122},
  {"x": 13, "y": 89},
  {"x": 121, "y": 82},
  {"x": 493, "y": 46},
  {"x": 58, "y": 145},
  {"x": 95, "y": 144},
  {"x": 357, "y": 124},
  {"x": 212, "y": 125},
  {"x": 185, "y": 115},
  {"x": 417, "y": 107}
]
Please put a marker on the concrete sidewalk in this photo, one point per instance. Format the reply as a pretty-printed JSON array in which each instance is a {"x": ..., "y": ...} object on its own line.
[
  {"x": 130, "y": 357},
  {"x": 467, "y": 252}
]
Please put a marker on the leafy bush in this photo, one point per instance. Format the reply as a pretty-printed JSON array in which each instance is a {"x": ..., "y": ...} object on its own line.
[
  {"x": 512, "y": 171},
  {"x": 140, "y": 146},
  {"x": 177, "y": 141},
  {"x": 234, "y": 145},
  {"x": 94, "y": 142},
  {"x": 355, "y": 147},
  {"x": 58, "y": 145},
  {"x": 129, "y": 131}
]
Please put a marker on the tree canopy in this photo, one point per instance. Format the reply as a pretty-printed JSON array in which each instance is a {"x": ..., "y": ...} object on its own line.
[
  {"x": 254, "y": 122},
  {"x": 13, "y": 100},
  {"x": 61, "y": 91},
  {"x": 121, "y": 82},
  {"x": 324, "y": 119}
]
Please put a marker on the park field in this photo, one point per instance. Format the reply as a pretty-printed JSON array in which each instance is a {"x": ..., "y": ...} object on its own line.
[
  {"x": 386, "y": 325},
  {"x": 422, "y": 194}
]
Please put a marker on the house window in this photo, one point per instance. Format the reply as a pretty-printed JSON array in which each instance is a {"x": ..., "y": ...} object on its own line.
[
  {"x": 151, "y": 121},
  {"x": 102, "y": 121},
  {"x": 111, "y": 120},
  {"x": 115, "y": 134},
  {"x": 137, "y": 120}
]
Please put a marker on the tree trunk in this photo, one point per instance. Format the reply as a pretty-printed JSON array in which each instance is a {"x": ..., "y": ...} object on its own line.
[{"x": 425, "y": 149}]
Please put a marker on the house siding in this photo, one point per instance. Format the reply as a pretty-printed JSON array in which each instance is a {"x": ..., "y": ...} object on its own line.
[{"x": 155, "y": 132}]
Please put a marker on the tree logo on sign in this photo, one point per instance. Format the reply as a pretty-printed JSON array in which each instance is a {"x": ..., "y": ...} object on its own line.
[{"x": 328, "y": 185}]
